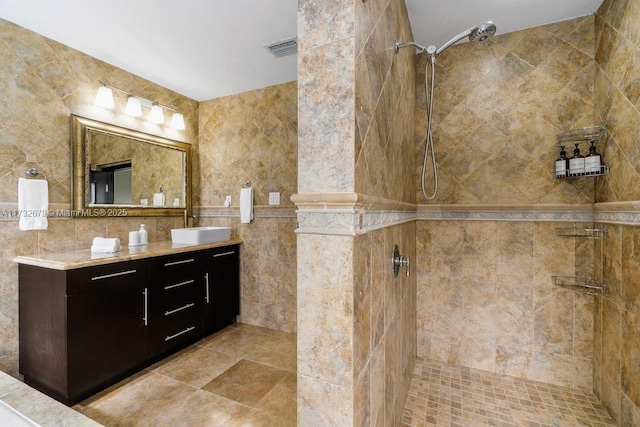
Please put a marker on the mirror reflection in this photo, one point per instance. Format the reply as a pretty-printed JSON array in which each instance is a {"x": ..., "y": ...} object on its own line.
[{"x": 114, "y": 166}]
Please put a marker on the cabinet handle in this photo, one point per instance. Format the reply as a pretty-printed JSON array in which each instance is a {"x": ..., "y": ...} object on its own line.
[
  {"x": 106, "y": 276},
  {"x": 170, "y": 337},
  {"x": 224, "y": 254},
  {"x": 206, "y": 288},
  {"x": 146, "y": 307},
  {"x": 184, "y": 307},
  {"x": 184, "y": 261},
  {"x": 166, "y": 288}
]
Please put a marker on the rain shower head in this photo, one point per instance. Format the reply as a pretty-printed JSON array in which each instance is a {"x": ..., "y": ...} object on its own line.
[{"x": 479, "y": 33}]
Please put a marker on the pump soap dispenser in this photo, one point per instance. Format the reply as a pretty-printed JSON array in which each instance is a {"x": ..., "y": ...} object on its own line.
[
  {"x": 144, "y": 236},
  {"x": 562, "y": 164},
  {"x": 592, "y": 161},
  {"x": 576, "y": 163}
]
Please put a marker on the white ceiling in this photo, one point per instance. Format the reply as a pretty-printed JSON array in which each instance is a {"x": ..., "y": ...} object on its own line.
[{"x": 206, "y": 49}]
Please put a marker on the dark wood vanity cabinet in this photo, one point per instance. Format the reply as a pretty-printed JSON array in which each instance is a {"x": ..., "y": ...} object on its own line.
[
  {"x": 81, "y": 328},
  {"x": 221, "y": 287},
  {"x": 86, "y": 328}
]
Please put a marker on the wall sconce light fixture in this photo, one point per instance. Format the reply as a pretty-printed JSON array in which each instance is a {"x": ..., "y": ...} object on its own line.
[
  {"x": 104, "y": 97},
  {"x": 135, "y": 103},
  {"x": 177, "y": 122},
  {"x": 156, "y": 115},
  {"x": 134, "y": 108}
]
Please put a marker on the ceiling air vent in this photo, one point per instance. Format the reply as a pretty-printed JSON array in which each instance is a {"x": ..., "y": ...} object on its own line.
[{"x": 283, "y": 47}]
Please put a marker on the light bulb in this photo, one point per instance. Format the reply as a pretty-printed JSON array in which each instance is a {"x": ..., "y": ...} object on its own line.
[
  {"x": 133, "y": 108},
  {"x": 156, "y": 114},
  {"x": 177, "y": 121},
  {"x": 104, "y": 98}
]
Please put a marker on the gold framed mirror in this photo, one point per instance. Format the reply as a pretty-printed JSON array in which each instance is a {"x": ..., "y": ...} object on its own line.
[{"x": 123, "y": 172}]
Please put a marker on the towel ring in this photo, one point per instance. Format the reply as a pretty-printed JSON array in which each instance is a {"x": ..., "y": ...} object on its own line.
[{"x": 33, "y": 172}]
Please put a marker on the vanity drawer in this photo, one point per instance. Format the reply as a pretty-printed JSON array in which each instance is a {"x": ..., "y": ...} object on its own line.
[
  {"x": 86, "y": 279},
  {"x": 172, "y": 267},
  {"x": 182, "y": 330}
]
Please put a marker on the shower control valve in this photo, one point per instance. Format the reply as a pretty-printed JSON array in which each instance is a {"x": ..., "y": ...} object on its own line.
[{"x": 399, "y": 261}]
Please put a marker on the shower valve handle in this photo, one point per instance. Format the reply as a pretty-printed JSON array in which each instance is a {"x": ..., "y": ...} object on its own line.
[{"x": 399, "y": 261}]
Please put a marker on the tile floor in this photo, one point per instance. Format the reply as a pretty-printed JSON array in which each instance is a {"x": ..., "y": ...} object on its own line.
[
  {"x": 448, "y": 395},
  {"x": 246, "y": 376},
  {"x": 241, "y": 376}
]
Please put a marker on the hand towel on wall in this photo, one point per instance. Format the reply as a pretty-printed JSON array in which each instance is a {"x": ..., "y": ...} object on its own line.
[
  {"x": 33, "y": 203},
  {"x": 246, "y": 205},
  {"x": 158, "y": 199}
]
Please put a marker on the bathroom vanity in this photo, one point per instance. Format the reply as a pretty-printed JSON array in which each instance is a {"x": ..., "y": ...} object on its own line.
[{"x": 87, "y": 322}]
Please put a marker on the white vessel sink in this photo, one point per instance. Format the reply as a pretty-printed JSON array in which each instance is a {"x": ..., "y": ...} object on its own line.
[{"x": 200, "y": 235}]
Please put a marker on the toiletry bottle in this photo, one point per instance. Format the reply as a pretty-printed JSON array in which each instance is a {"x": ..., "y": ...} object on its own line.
[
  {"x": 562, "y": 164},
  {"x": 576, "y": 163},
  {"x": 144, "y": 236},
  {"x": 592, "y": 161}
]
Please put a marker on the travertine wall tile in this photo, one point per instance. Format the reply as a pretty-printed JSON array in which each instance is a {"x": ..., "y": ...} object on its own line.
[
  {"x": 495, "y": 126},
  {"x": 488, "y": 301},
  {"x": 326, "y": 118},
  {"x": 250, "y": 136},
  {"x": 617, "y": 105}
]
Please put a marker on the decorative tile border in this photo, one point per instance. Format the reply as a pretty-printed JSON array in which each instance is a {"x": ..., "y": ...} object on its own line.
[
  {"x": 623, "y": 213},
  {"x": 529, "y": 213},
  {"x": 348, "y": 214},
  {"x": 234, "y": 212}
]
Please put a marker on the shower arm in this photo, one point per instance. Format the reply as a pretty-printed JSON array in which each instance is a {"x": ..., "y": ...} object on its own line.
[{"x": 399, "y": 46}]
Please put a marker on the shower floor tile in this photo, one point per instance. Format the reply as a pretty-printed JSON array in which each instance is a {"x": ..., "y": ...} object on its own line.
[{"x": 447, "y": 395}]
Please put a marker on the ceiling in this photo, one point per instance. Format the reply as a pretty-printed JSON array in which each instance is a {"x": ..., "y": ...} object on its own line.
[{"x": 214, "y": 48}]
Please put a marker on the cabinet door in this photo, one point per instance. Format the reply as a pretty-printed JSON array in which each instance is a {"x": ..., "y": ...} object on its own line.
[
  {"x": 107, "y": 335},
  {"x": 222, "y": 288}
]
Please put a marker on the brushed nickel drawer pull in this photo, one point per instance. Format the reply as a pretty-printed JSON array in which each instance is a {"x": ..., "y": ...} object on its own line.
[
  {"x": 166, "y": 288},
  {"x": 224, "y": 253},
  {"x": 189, "y": 329},
  {"x": 145, "y": 318},
  {"x": 206, "y": 294},
  {"x": 106, "y": 276},
  {"x": 185, "y": 261},
  {"x": 184, "y": 307}
]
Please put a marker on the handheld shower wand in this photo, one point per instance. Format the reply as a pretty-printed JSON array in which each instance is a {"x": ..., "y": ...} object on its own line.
[{"x": 478, "y": 33}]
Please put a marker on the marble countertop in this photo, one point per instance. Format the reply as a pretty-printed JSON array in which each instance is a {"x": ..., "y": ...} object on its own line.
[
  {"x": 39, "y": 407},
  {"x": 84, "y": 258}
]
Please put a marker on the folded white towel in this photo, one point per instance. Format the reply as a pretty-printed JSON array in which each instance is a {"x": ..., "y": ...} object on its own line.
[
  {"x": 158, "y": 199},
  {"x": 33, "y": 203},
  {"x": 246, "y": 205},
  {"x": 105, "y": 245}
]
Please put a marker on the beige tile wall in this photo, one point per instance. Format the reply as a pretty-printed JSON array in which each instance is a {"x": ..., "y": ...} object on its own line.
[
  {"x": 356, "y": 329},
  {"x": 486, "y": 299},
  {"x": 41, "y": 84},
  {"x": 617, "y": 96},
  {"x": 617, "y": 324},
  {"x": 384, "y": 87},
  {"x": 252, "y": 136},
  {"x": 384, "y": 326},
  {"x": 485, "y": 296},
  {"x": 498, "y": 107}
]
